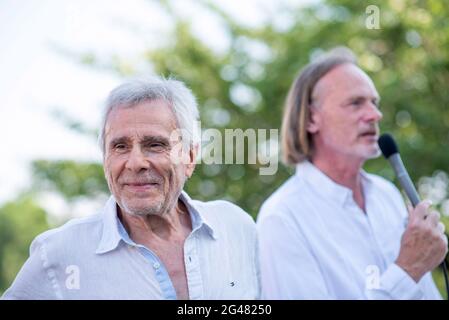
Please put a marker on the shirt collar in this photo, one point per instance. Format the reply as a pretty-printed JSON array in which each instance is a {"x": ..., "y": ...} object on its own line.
[
  {"x": 325, "y": 185},
  {"x": 197, "y": 216},
  {"x": 110, "y": 237},
  {"x": 113, "y": 230}
]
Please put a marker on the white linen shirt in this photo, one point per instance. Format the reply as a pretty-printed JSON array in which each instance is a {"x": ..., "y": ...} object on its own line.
[
  {"x": 316, "y": 243},
  {"x": 94, "y": 258}
]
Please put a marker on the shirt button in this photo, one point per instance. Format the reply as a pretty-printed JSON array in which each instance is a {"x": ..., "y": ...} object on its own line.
[{"x": 156, "y": 265}]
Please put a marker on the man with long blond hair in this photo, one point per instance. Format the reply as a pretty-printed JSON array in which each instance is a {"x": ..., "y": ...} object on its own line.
[{"x": 333, "y": 231}]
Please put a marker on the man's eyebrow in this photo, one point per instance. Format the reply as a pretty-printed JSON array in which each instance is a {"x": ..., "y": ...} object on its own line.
[
  {"x": 151, "y": 139},
  {"x": 118, "y": 140},
  {"x": 357, "y": 97}
]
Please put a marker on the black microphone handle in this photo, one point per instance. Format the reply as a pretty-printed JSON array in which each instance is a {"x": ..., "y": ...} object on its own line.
[{"x": 404, "y": 178}]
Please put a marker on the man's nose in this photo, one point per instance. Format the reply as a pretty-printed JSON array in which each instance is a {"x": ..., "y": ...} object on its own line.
[
  {"x": 373, "y": 113},
  {"x": 137, "y": 160}
]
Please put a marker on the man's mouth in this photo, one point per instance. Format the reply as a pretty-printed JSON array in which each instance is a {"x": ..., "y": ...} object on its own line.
[
  {"x": 141, "y": 186},
  {"x": 369, "y": 134}
]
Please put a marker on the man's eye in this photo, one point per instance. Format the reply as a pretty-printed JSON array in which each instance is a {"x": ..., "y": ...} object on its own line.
[
  {"x": 156, "y": 146},
  {"x": 119, "y": 147}
]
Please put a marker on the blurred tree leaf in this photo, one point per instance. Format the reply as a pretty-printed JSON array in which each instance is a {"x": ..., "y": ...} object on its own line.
[
  {"x": 20, "y": 222},
  {"x": 69, "y": 178}
]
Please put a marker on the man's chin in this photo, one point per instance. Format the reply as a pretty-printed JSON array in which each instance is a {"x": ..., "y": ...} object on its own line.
[
  {"x": 374, "y": 153},
  {"x": 142, "y": 210}
]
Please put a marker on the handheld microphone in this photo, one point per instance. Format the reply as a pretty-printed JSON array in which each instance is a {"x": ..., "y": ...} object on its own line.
[{"x": 391, "y": 152}]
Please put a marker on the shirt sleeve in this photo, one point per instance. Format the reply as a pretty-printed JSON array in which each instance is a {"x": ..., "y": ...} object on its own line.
[
  {"x": 34, "y": 280},
  {"x": 288, "y": 268},
  {"x": 395, "y": 284}
]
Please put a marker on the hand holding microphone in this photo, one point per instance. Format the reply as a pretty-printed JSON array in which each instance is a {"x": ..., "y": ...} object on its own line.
[{"x": 423, "y": 244}]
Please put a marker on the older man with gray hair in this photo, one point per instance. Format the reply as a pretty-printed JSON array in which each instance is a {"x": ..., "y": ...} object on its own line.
[{"x": 151, "y": 240}]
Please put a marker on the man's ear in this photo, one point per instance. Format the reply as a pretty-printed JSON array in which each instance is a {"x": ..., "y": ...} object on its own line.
[
  {"x": 313, "y": 125},
  {"x": 191, "y": 161}
]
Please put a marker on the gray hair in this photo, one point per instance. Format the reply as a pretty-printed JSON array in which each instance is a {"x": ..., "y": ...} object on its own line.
[
  {"x": 296, "y": 141},
  {"x": 174, "y": 92}
]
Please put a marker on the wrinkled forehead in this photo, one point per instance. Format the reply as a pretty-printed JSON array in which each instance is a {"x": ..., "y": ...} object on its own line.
[{"x": 144, "y": 119}]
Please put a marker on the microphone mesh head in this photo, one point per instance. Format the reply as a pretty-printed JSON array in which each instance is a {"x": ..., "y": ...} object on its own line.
[{"x": 387, "y": 145}]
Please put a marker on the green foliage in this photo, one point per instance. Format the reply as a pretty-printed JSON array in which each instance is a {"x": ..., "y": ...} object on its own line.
[
  {"x": 69, "y": 178},
  {"x": 20, "y": 222}
]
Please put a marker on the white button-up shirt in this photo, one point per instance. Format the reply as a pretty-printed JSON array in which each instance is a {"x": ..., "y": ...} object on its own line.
[
  {"x": 94, "y": 258},
  {"x": 316, "y": 243}
]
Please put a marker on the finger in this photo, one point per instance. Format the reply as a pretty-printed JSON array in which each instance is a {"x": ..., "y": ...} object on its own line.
[
  {"x": 441, "y": 227},
  {"x": 420, "y": 211},
  {"x": 433, "y": 218},
  {"x": 444, "y": 238}
]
